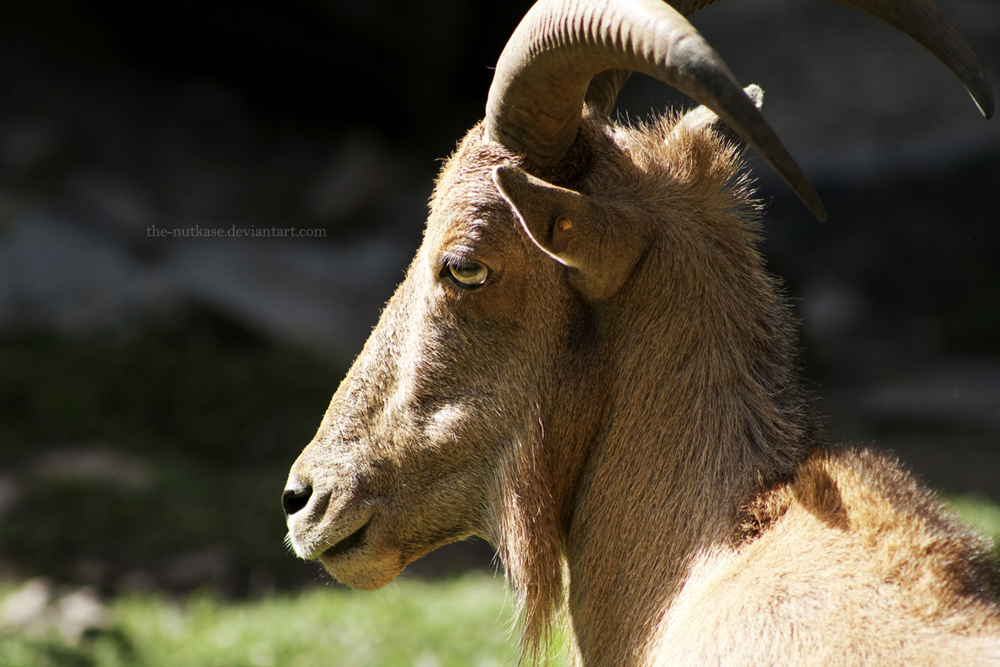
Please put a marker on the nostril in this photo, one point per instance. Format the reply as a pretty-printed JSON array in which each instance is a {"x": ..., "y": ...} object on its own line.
[{"x": 293, "y": 500}]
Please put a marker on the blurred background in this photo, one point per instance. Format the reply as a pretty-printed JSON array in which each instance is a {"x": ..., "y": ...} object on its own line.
[{"x": 155, "y": 390}]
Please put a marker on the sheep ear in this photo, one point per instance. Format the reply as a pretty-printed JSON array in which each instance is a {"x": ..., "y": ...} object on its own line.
[
  {"x": 701, "y": 118},
  {"x": 569, "y": 227}
]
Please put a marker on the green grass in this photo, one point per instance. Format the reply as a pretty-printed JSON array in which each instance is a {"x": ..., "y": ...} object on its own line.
[
  {"x": 461, "y": 622},
  {"x": 980, "y": 513}
]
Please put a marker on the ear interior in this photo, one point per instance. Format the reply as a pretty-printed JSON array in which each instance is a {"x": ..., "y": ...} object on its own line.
[
  {"x": 561, "y": 233},
  {"x": 556, "y": 219},
  {"x": 569, "y": 227}
]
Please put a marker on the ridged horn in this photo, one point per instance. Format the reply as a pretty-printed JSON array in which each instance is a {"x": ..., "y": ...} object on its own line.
[{"x": 544, "y": 73}]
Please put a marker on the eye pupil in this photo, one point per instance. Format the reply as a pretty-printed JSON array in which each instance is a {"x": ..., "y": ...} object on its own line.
[{"x": 469, "y": 274}]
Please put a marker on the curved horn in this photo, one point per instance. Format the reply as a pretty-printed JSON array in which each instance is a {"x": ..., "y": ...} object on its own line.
[
  {"x": 922, "y": 20},
  {"x": 542, "y": 77}
]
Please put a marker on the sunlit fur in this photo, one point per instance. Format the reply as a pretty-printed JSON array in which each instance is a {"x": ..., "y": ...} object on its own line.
[{"x": 655, "y": 448}]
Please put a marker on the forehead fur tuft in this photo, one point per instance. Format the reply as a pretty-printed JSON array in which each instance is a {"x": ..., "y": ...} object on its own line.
[{"x": 692, "y": 169}]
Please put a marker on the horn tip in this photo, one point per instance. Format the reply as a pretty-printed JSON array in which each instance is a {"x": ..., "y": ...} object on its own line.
[
  {"x": 979, "y": 89},
  {"x": 818, "y": 211},
  {"x": 985, "y": 103},
  {"x": 813, "y": 203}
]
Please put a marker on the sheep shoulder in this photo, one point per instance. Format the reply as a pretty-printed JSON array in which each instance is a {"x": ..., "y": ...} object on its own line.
[{"x": 850, "y": 562}]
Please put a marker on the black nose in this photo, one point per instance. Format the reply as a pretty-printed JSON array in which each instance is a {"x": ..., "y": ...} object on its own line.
[{"x": 295, "y": 498}]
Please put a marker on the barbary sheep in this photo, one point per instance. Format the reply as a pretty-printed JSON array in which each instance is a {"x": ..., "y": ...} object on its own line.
[{"x": 588, "y": 366}]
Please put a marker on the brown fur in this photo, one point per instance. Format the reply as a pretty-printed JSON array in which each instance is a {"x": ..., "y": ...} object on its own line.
[{"x": 651, "y": 438}]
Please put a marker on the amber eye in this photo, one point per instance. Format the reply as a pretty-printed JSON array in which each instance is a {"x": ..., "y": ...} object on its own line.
[{"x": 468, "y": 273}]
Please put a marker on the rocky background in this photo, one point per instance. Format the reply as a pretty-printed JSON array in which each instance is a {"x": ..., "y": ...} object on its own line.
[{"x": 154, "y": 390}]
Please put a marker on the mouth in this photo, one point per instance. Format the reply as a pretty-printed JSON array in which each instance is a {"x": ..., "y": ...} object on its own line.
[{"x": 348, "y": 544}]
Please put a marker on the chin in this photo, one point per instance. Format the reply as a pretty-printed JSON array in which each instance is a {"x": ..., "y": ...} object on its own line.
[{"x": 363, "y": 571}]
